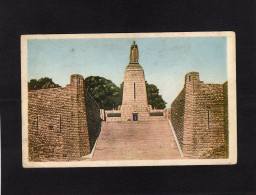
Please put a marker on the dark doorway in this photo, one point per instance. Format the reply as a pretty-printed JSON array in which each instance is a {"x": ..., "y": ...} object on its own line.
[{"x": 135, "y": 117}]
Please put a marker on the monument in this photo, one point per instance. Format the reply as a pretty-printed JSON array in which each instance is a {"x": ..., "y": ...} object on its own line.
[{"x": 134, "y": 103}]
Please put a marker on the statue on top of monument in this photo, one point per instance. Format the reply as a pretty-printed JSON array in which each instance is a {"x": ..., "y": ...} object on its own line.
[{"x": 134, "y": 53}]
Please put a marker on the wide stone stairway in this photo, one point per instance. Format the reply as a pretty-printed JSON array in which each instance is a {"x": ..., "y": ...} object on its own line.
[{"x": 136, "y": 140}]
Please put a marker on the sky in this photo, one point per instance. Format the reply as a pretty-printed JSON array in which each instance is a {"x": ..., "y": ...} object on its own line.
[{"x": 165, "y": 60}]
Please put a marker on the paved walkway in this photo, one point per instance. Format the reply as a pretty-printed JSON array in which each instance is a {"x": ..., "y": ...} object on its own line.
[{"x": 149, "y": 140}]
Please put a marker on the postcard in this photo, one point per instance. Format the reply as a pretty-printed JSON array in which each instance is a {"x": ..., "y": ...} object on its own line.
[{"x": 128, "y": 99}]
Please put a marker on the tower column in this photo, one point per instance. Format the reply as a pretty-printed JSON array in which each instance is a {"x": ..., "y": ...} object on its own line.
[{"x": 134, "y": 104}]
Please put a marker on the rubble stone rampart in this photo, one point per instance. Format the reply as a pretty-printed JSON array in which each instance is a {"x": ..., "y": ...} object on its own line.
[
  {"x": 63, "y": 123},
  {"x": 199, "y": 116}
]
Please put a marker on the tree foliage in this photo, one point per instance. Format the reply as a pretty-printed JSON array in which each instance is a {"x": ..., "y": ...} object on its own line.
[
  {"x": 154, "y": 98},
  {"x": 42, "y": 83},
  {"x": 104, "y": 92}
]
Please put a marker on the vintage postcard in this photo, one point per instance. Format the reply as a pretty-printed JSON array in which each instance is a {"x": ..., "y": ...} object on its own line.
[{"x": 130, "y": 99}]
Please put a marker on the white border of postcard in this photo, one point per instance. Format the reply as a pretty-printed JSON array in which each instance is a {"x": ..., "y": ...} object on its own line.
[{"x": 232, "y": 109}]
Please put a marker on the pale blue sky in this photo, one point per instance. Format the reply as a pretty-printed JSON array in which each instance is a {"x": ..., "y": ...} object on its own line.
[{"x": 165, "y": 60}]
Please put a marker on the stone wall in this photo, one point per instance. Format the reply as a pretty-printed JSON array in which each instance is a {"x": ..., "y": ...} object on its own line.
[
  {"x": 93, "y": 118},
  {"x": 158, "y": 114},
  {"x": 225, "y": 92},
  {"x": 113, "y": 118},
  {"x": 199, "y": 117},
  {"x": 177, "y": 116},
  {"x": 63, "y": 122},
  {"x": 154, "y": 115}
]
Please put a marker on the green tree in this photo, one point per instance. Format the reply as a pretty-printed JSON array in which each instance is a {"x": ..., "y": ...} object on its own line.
[
  {"x": 42, "y": 83},
  {"x": 154, "y": 98},
  {"x": 104, "y": 92}
]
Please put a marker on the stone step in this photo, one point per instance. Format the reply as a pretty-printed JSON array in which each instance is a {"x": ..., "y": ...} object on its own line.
[{"x": 140, "y": 140}]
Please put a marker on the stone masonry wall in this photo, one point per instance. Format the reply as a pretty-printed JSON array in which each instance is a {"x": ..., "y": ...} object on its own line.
[
  {"x": 154, "y": 117},
  {"x": 113, "y": 119},
  {"x": 164, "y": 115},
  {"x": 60, "y": 123},
  {"x": 201, "y": 107},
  {"x": 93, "y": 119},
  {"x": 177, "y": 116},
  {"x": 225, "y": 92}
]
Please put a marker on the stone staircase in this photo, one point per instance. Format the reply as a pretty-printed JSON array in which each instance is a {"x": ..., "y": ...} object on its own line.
[{"x": 136, "y": 140}]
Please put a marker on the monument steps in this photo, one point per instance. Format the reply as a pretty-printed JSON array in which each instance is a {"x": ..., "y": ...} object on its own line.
[{"x": 136, "y": 140}]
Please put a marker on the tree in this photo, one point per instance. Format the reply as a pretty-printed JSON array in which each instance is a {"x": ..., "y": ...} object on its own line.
[
  {"x": 154, "y": 99},
  {"x": 42, "y": 83},
  {"x": 104, "y": 92}
]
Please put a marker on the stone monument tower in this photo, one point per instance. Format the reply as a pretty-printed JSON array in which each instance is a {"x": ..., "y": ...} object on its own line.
[{"x": 134, "y": 104}]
